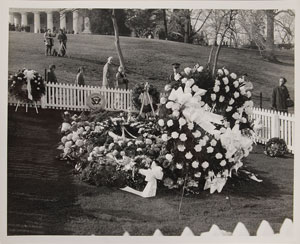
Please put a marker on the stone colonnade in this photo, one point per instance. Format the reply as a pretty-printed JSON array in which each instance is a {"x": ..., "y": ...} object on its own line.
[{"x": 19, "y": 17}]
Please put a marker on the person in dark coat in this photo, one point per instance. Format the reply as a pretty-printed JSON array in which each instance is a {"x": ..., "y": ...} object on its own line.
[
  {"x": 280, "y": 95},
  {"x": 49, "y": 42},
  {"x": 51, "y": 77},
  {"x": 176, "y": 67},
  {"x": 62, "y": 39},
  {"x": 79, "y": 77},
  {"x": 121, "y": 79}
]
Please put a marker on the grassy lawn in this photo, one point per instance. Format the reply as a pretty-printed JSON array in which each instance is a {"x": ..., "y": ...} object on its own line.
[
  {"x": 146, "y": 60},
  {"x": 45, "y": 198}
]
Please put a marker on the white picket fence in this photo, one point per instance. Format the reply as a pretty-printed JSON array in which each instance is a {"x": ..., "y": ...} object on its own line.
[
  {"x": 264, "y": 230},
  {"x": 74, "y": 97}
]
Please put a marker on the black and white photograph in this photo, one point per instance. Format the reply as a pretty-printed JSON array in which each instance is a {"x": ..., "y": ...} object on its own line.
[{"x": 173, "y": 120}]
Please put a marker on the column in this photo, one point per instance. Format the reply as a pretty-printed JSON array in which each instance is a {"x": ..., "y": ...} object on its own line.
[
  {"x": 17, "y": 21},
  {"x": 63, "y": 21},
  {"x": 24, "y": 21},
  {"x": 50, "y": 20},
  {"x": 37, "y": 22},
  {"x": 11, "y": 18},
  {"x": 75, "y": 21}
]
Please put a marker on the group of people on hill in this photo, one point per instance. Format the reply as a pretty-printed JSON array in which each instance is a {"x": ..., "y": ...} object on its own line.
[
  {"x": 111, "y": 79},
  {"x": 49, "y": 43}
]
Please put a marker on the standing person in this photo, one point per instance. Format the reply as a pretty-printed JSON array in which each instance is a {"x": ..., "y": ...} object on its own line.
[
  {"x": 62, "y": 38},
  {"x": 176, "y": 67},
  {"x": 49, "y": 42},
  {"x": 51, "y": 77},
  {"x": 80, "y": 77},
  {"x": 121, "y": 79},
  {"x": 108, "y": 80},
  {"x": 280, "y": 96}
]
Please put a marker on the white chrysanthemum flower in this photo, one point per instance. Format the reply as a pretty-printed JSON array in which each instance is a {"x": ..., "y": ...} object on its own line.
[
  {"x": 225, "y": 80},
  {"x": 177, "y": 77},
  {"x": 249, "y": 94},
  {"x": 220, "y": 72},
  {"x": 176, "y": 113},
  {"x": 195, "y": 164},
  {"x": 188, "y": 71},
  {"x": 169, "y": 105},
  {"x": 163, "y": 100},
  {"x": 249, "y": 110},
  {"x": 168, "y": 87},
  {"x": 191, "y": 126},
  {"x": 205, "y": 165},
  {"x": 164, "y": 137},
  {"x": 184, "y": 80},
  {"x": 236, "y": 84},
  {"x": 63, "y": 139},
  {"x": 213, "y": 142},
  {"x": 68, "y": 144},
  {"x": 198, "y": 148},
  {"x": 233, "y": 76},
  {"x": 213, "y": 97},
  {"x": 200, "y": 69},
  {"x": 161, "y": 122},
  {"x": 231, "y": 101},
  {"x": 221, "y": 99},
  {"x": 236, "y": 94},
  {"x": 236, "y": 116},
  {"x": 188, "y": 155},
  {"x": 242, "y": 90},
  {"x": 202, "y": 143},
  {"x": 216, "y": 89},
  {"x": 219, "y": 156},
  {"x": 206, "y": 138},
  {"x": 170, "y": 123},
  {"x": 197, "y": 134},
  {"x": 183, "y": 137},
  {"x": 181, "y": 148},
  {"x": 217, "y": 82},
  {"x": 226, "y": 71},
  {"x": 175, "y": 106},
  {"x": 87, "y": 128},
  {"x": 197, "y": 175},
  {"x": 227, "y": 89},
  {"x": 179, "y": 166},
  {"x": 223, "y": 163},
  {"x": 169, "y": 157},
  {"x": 228, "y": 109},
  {"x": 175, "y": 135},
  {"x": 79, "y": 143},
  {"x": 210, "y": 149},
  {"x": 182, "y": 121}
]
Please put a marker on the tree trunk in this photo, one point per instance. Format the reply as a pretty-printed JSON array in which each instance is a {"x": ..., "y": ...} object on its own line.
[
  {"x": 269, "y": 51},
  {"x": 187, "y": 27},
  {"x": 165, "y": 24},
  {"x": 117, "y": 40}
]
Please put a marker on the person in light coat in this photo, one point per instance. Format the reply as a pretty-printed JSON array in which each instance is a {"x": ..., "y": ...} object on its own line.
[{"x": 108, "y": 74}]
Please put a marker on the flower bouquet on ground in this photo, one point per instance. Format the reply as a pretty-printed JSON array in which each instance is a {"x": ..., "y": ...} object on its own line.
[{"x": 276, "y": 147}]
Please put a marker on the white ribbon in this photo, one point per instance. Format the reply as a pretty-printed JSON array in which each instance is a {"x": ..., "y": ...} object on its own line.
[
  {"x": 193, "y": 111},
  {"x": 152, "y": 175},
  {"x": 215, "y": 183},
  {"x": 29, "y": 74}
]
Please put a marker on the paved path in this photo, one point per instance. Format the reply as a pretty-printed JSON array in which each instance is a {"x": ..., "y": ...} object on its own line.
[{"x": 41, "y": 190}]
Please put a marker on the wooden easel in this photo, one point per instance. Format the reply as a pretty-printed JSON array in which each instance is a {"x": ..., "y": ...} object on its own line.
[
  {"x": 26, "y": 107},
  {"x": 147, "y": 96}
]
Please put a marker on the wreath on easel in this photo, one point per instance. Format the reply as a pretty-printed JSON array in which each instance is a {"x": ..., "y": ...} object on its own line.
[
  {"x": 27, "y": 86},
  {"x": 137, "y": 97}
]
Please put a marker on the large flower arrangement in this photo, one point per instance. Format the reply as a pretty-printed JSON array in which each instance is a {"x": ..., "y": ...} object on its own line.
[
  {"x": 111, "y": 151},
  {"x": 202, "y": 133},
  {"x": 27, "y": 85},
  {"x": 207, "y": 131}
]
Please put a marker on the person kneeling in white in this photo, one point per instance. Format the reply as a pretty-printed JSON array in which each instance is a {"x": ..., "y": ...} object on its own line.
[{"x": 152, "y": 175}]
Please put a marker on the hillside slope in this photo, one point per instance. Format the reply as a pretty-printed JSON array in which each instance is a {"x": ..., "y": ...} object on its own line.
[{"x": 146, "y": 60}]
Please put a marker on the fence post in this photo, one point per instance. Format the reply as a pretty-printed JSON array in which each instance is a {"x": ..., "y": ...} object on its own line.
[
  {"x": 275, "y": 128},
  {"x": 260, "y": 99}
]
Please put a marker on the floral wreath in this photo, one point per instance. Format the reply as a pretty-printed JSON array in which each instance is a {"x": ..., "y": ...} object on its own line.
[
  {"x": 24, "y": 91},
  {"x": 138, "y": 92},
  {"x": 275, "y": 147}
]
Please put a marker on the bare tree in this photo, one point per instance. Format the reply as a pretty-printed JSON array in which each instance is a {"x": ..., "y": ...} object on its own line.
[{"x": 117, "y": 39}]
